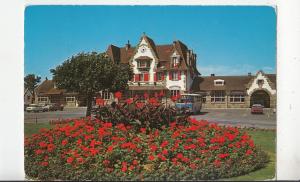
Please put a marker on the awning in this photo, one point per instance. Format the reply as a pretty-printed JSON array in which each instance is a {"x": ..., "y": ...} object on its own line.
[{"x": 148, "y": 88}]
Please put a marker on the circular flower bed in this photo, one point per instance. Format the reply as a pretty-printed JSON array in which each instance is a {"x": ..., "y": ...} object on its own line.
[{"x": 95, "y": 150}]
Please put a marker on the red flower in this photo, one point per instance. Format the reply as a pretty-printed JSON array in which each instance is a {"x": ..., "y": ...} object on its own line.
[
  {"x": 118, "y": 95},
  {"x": 38, "y": 151},
  {"x": 50, "y": 147},
  {"x": 153, "y": 148},
  {"x": 143, "y": 130},
  {"x": 193, "y": 166},
  {"x": 110, "y": 148},
  {"x": 43, "y": 144},
  {"x": 146, "y": 95},
  {"x": 64, "y": 142},
  {"x": 217, "y": 163},
  {"x": 222, "y": 156},
  {"x": 80, "y": 160},
  {"x": 151, "y": 157},
  {"x": 179, "y": 155},
  {"x": 124, "y": 166},
  {"x": 129, "y": 100},
  {"x": 99, "y": 101},
  {"x": 164, "y": 143},
  {"x": 135, "y": 162},
  {"x": 249, "y": 152},
  {"x": 44, "y": 163},
  {"x": 165, "y": 152},
  {"x": 70, "y": 160}
]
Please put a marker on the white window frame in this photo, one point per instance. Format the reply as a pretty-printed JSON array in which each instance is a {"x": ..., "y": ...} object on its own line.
[
  {"x": 237, "y": 98},
  {"x": 70, "y": 99},
  {"x": 219, "y": 82},
  {"x": 43, "y": 99},
  {"x": 217, "y": 96},
  {"x": 143, "y": 64},
  {"x": 105, "y": 95}
]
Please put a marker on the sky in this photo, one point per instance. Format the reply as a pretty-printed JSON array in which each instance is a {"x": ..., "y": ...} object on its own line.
[{"x": 228, "y": 40}]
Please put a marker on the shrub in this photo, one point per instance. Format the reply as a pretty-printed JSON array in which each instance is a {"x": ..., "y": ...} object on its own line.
[
  {"x": 89, "y": 149},
  {"x": 149, "y": 114}
]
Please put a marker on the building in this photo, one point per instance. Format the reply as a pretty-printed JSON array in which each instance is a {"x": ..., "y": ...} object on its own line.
[
  {"x": 47, "y": 92},
  {"x": 170, "y": 68},
  {"x": 237, "y": 91},
  {"x": 28, "y": 97}
]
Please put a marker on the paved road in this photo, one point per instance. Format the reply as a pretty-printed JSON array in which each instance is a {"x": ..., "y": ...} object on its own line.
[
  {"x": 241, "y": 117},
  {"x": 43, "y": 117}
]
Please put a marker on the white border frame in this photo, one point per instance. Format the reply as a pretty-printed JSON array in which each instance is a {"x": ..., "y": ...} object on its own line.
[{"x": 12, "y": 73}]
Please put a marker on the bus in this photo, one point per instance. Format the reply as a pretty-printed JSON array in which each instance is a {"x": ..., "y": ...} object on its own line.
[{"x": 189, "y": 103}]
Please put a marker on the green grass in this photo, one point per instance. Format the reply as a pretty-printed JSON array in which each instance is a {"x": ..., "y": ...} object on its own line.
[
  {"x": 266, "y": 140},
  {"x": 262, "y": 138},
  {"x": 32, "y": 128}
]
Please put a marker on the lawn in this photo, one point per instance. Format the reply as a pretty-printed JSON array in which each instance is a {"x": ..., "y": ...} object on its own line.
[{"x": 266, "y": 139}]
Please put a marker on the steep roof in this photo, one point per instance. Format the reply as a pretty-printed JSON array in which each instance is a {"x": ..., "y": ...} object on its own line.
[{"x": 162, "y": 52}]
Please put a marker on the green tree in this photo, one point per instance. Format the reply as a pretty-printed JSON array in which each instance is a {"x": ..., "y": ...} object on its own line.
[
  {"x": 31, "y": 81},
  {"x": 88, "y": 73}
]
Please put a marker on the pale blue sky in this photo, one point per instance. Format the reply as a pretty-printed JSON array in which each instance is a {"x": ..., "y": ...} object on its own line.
[{"x": 228, "y": 40}]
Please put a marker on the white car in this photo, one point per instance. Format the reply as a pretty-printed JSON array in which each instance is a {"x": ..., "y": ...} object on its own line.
[{"x": 34, "y": 108}]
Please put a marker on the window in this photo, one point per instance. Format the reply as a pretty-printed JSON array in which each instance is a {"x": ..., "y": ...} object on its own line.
[
  {"x": 42, "y": 99},
  {"x": 175, "y": 92},
  {"x": 237, "y": 98},
  {"x": 175, "y": 61},
  {"x": 28, "y": 97},
  {"x": 204, "y": 99},
  {"x": 143, "y": 64},
  {"x": 174, "y": 75},
  {"x": 160, "y": 76},
  {"x": 105, "y": 95},
  {"x": 219, "y": 82},
  {"x": 70, "y": 99},
  {"x": 218, "y": 96}
]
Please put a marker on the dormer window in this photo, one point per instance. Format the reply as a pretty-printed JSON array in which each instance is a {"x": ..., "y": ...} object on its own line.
[
  {"x": 143, "y": 64},
  {"x": 175, "y": 61},
  {"x": 219, "y": 82}
]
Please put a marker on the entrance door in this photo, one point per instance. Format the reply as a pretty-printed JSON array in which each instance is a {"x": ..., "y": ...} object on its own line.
[{"x": 260, "y": 97}]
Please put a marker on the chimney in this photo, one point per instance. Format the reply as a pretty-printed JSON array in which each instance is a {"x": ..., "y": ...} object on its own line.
[
  {"x": 127, "y": 45},
  {"x": 249, "y": 74},
  {"x": 212, "y": 74},
  {"x": 46, "y": 78}
]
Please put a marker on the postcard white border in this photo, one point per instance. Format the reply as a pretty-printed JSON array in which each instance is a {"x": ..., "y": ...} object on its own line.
[{"x": 12, "y": 72}]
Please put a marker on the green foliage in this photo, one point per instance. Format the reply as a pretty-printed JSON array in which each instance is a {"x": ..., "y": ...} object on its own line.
[
  {"x": 87, "y": 149},
  {"x": 31, "y": 81},
  {"x": 140, "y": 114},
  {"x": 88, "y": 73}
]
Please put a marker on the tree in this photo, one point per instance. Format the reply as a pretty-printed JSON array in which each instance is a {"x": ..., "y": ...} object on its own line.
[
  {"x": 31, "y": 81},
  {"x": 88, "y": 73}
]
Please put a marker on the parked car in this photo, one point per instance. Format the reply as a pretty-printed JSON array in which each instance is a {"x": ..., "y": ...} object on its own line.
[
  {"x": 34, "y": 108},
  {"x": 25, "y": 106},
  {"x": 46, "y": 107},
  {"x": 56, "y": 107},
  {"x": 257, "y": 109}
]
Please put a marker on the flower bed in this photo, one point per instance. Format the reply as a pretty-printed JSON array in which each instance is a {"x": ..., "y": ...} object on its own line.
[{"x": 95, "y": 150}]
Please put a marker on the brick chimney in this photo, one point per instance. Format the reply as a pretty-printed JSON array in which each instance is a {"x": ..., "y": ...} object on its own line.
[
  {"x": 127, "y": 45},
  {"x": 212, "y": 74},
  {"x": 249, "y": 74}
]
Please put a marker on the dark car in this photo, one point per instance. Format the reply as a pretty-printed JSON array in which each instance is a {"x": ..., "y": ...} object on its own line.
[
  {"x": 257, "y": 109},
  {"x": 56, "y": 107}
]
